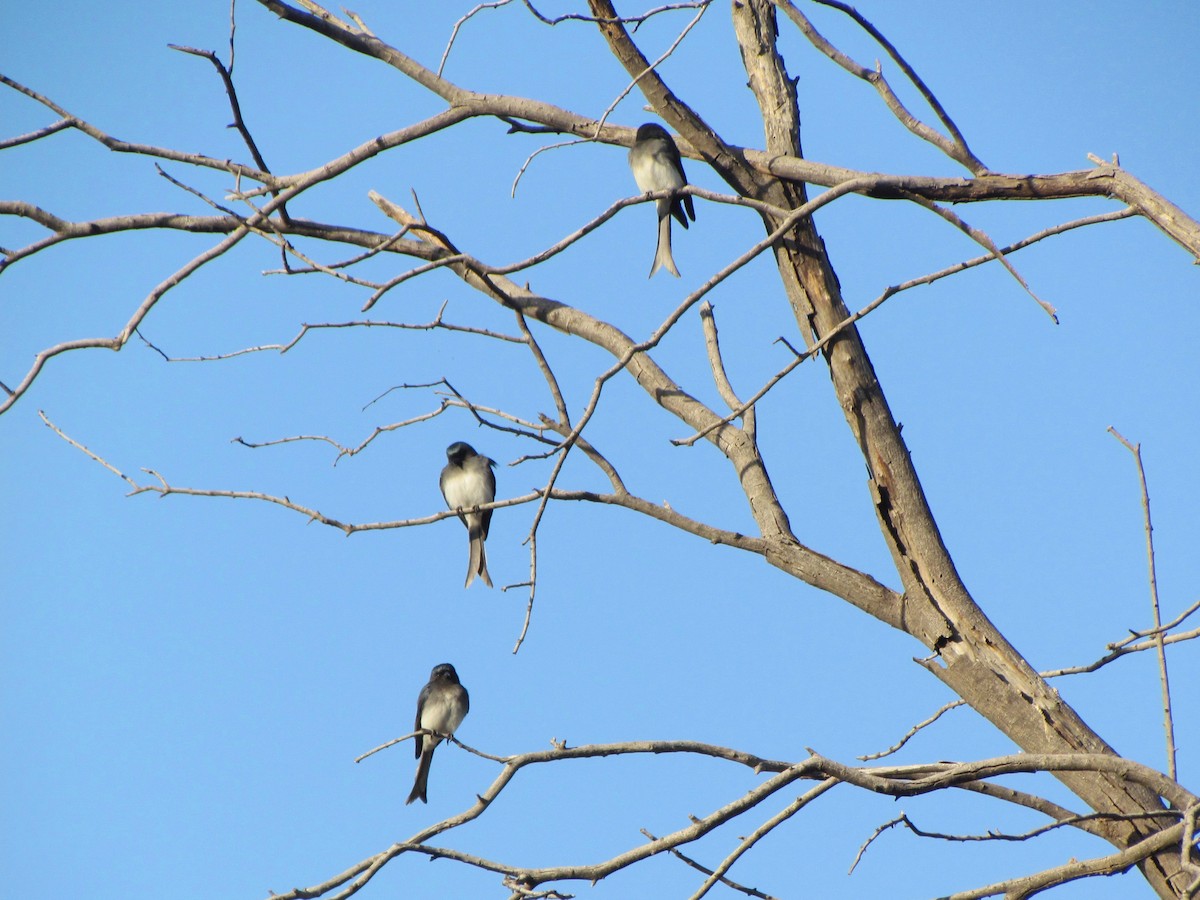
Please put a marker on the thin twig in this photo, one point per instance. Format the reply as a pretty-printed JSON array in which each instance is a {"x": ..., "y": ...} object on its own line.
[
  {"x": 346, "y": 263},
  {"x": 701, "y": 6},
  {"x": 121, "y": 146},
  {"x": 1125, "y": 213},
  {"x": 78, "y": 446},
  {"x": 1064, "y": 821},
  {"x": 862, "y": 849},
  {"x": 599, "y": 459},
  {"x": 358, "y": 20},
  {"x": 955, "y": 147},
  {"x": 1168, "y": 718},
  {"x": 387, "y": 744},
  {"x": 196, "y": 192},
  {"x": 912, "y": 732},
  {"x": 762, "y": 831},
  {"x": 1121, "y": 861},
  {"x": 716, "y": 362},
  {"x": 459, "y": 24},
  {"x": 532, "y": 592},
  {"x": 235, "y": 107},
  {"x": 699, "y": 867},
  {"x": 892, "y": 291},
  {"x": 31, "y": 136},
  {"x": 342, "y": 450},
  {"x": 1150, "y": 632},
  {"x": 232, "y": 34},
  {"x": 544, "y": 367},
  {"x": 912, "y": 75},
  {"x": 1118, "y": 652},
  {"x": 305, "y": 328},
  {"x": 165, "y": 488},
  {"x": 606, "y": 20},
  {"x": 982, "y": 238}
]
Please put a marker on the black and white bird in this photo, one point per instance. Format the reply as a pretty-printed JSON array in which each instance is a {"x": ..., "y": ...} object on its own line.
[
  {"x": 441, "y": 706},
  {"x": 468, "y": 481},
  {"x": 656, "y": 166}
]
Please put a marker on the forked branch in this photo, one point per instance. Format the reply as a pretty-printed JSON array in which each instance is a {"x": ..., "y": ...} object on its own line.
[{"x": 896, "y": 781}]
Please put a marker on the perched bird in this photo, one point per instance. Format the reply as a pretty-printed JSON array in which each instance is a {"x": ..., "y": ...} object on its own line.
[
  {"x": 441, "y": 707},
  {"x": 657, "y": 167},
  {"x": 468, "y": 481}
]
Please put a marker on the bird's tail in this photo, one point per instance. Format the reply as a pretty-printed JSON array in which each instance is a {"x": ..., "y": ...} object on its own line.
[
  {"x": 662, "y": 254},
  {"x": 421, "y": 782},
  {"x": 477, "y": 563}
]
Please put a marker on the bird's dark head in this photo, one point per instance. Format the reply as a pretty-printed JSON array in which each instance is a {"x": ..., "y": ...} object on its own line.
[
  {"x": 444, "y": 672},
  {"x": 459, "y": 451},
  {"x": 651, "y": 131}
]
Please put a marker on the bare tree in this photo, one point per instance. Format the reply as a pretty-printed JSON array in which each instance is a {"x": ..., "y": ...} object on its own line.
[{"x": 1148, "y": 817}]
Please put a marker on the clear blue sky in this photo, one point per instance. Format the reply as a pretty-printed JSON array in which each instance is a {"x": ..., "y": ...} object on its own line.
[{"x": 186, "y": 682}]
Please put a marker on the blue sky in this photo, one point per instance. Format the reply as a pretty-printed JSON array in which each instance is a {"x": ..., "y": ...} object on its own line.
[{"x": 187, "y": 681}]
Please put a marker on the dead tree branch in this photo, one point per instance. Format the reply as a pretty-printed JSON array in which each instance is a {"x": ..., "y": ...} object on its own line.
[
  {"x": 955, "y": 146},
  {"x": 897, "y": 781},
  {"x": 1159, "y": 641}
]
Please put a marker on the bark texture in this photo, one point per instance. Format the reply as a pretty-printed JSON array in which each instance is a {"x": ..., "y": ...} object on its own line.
[{"x": 972, "y": 657}]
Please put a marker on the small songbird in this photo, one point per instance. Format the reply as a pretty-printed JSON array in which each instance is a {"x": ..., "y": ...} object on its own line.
[
  {"x": 656, "y": 166},
  {"x": 441, "y": 706},
  {"x": 467, "y": 481}
]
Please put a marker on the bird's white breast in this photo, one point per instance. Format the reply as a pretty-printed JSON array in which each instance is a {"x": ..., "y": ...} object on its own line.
[
  {"x": 653, "y": 173},
  {"x": 465, "y": 489},
  {"x": 443, "y": 714}
]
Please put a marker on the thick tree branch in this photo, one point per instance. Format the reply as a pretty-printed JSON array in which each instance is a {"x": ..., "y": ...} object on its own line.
[
  {"x": 1103, "y": 181},
  {"x": 975, "y": 660}
]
